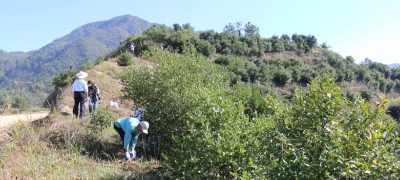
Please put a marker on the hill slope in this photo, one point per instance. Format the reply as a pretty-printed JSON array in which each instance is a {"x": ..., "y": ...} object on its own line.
[{"x": 88, "y": 41}]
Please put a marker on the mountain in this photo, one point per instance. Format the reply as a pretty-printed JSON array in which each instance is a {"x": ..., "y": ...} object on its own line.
[
  {"x": 394, "y": 65},
  {"x": 88, "y": 41}
]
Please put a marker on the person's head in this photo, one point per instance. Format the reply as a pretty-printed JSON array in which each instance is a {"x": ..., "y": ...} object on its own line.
[
  {"x": 144, "y": 127},
  {"x": 81, "y": 75},
  {"x": 89, "y": 83}
]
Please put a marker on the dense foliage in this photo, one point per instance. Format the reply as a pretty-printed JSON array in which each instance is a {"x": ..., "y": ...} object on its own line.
[
  {"x": 208, "y": 130},
  {"x": 20, "y": 103},
  {"x": 125, "y": 59}
]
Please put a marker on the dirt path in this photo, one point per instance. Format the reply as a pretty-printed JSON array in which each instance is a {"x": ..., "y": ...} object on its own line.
[{"x": 7, "y": 120}]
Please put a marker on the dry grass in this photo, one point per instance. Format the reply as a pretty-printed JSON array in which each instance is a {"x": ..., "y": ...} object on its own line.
[{"x": 62, "y": 148}]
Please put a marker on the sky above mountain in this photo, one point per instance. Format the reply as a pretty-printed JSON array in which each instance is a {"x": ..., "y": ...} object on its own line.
[{"x": 362, "y": 28}]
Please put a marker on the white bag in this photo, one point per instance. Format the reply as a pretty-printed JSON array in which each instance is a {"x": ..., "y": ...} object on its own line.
[{"x": 114, "y": 104}]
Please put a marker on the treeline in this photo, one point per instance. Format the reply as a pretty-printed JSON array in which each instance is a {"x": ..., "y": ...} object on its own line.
[
  {"x": 243, "y": 49},
  {"x": 374, "y": 76},
  {"x": 234, "y": 40}
]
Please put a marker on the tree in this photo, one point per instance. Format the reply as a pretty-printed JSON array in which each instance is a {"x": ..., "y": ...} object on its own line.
[
  {"x": 366, "y": 61},
  {"x": 239, "y": 28},
  {"x": 394, "y": 110},
  {"x": 325, "y": 45},
  {"x": 311, "y": 41},
  {"x": 177, "y": 27},
  {"x": 187, "y": 26},
  {"x": 125, "y": 59},
  {"x": 250, "y": 29},
  {"x": 230, "y": 28},
  {"x": 20, "y": 103}
]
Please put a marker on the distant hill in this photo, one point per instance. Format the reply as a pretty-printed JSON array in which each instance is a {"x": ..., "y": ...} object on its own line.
[
  {"x": 394, "y": 65},
  {"x": 88, "y": 41}
]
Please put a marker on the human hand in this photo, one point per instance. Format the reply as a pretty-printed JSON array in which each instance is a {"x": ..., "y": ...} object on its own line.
[
  {"x": 127, "y": 156},
  {"x": 133, "y": 154}
]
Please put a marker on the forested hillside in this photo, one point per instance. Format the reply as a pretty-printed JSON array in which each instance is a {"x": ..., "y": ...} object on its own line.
[
  {"x": 229, "y": 105},
  {"x": 279, "y": 61},
  {"x": 83, "y": 44},
  {"x": 234, "y": 105}
]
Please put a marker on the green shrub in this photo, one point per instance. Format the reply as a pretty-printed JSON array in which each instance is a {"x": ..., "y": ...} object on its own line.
[
  {"x": 64, "y": 78},
  {"x": 324, "y": 136},
  {"x": 20, "y": 103},
  {"x": 282, "y": 77},
  {"x": 389, "y": 86},
  {"x": 125, "y": 59},
  {"x": 87, "y": 65},
  {"x": 394, "y": 110},
  {"x": 205, "y": 48},
  {"x": 308, "y": 75},
  {"x": 175, "y": 82},
  {"x": 367, "y": 94},
  {"x": 382, "y": 85},
  {"x": 100, "y": 120},
  {"x": 397, "y": 85}
]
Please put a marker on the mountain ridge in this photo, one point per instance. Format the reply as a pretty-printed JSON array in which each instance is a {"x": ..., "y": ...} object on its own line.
[{"x": 86, "y": 42}]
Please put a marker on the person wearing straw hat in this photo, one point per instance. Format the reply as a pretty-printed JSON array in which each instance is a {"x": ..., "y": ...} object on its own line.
[
  {"x": 129, "y": 129},
  {"x": 80, "y": 89}
]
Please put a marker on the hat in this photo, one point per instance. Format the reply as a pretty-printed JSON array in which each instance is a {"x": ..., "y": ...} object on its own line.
[
  {"x": 145, "y": 126},
  {"x": 81, "y": 75}
]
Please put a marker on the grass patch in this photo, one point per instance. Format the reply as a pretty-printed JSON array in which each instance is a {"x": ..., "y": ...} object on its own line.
[{"x": 63, "y": 148}]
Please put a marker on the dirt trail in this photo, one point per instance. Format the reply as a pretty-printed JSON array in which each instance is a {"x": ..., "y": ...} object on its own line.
[{"x": 7, "y": 120}]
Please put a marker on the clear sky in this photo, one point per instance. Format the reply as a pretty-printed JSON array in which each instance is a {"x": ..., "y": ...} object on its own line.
[{"x": 361, "y": 28}]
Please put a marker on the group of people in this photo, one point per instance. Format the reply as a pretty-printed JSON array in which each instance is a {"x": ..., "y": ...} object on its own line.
[
  {"x": 128, "y": 128},
  {"x": 83, "y": 92}
]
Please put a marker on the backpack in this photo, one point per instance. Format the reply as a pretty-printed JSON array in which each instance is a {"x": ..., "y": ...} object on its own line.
[
  {"x": 94, "y": 89},
  {"x": 138, "y": 114}
]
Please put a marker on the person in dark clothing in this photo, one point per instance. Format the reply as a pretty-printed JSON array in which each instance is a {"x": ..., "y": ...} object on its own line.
[
  {"x": 94, "y": 96},
  {"x": 80, "y": 89}
]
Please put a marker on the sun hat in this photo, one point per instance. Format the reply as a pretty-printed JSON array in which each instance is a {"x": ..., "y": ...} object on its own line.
[
  {"x": 145, "y": 126},
  {"x": 81, "y": 75}
]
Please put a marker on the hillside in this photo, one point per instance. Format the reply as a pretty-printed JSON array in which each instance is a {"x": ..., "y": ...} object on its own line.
[
  {"x": 217, "y": 111},
  {"x": 86, "y": 42},
  {"x": 85, "y": 155}
]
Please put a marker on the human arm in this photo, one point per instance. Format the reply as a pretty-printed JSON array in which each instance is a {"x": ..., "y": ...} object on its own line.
[
  {"x": 133, "y": 142},
  {"x": 86, "y": 90},
  {"x": 127, "y": 140}
]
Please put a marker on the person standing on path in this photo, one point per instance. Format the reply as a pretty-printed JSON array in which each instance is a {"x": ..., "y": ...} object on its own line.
[
  {"x": 94, "y": 96},
  {"x": 129, "y": 129},
  {"x": 80, "y": 90},
  {"x": 132, "y": 47}
]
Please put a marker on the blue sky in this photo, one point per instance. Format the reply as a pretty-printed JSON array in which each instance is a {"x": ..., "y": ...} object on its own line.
[{"x": 361, "y": 28}]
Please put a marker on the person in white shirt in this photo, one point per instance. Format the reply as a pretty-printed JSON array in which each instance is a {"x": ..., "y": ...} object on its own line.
[
  {"x": 80, "y": 89},
  {"x": 133, "y": 49}
]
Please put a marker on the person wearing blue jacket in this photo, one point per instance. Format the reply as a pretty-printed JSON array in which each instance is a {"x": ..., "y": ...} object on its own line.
[{"x": 129, "y": 129}]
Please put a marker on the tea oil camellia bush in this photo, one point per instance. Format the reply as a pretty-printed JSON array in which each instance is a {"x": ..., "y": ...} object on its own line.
[
  {"x": 100, "y": 120},
  {"x": 125, "y": 59},
  {"x": 326, "y": 136},
  {"x": 175, "y": 82},
  {"x": 206, "y": 129}
]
